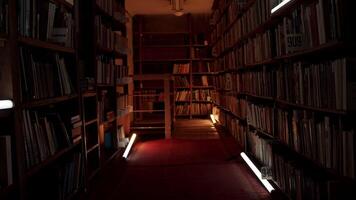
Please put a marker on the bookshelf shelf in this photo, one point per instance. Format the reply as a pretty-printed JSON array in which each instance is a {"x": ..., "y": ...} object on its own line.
[
  {"x": 45, "y": 45},
  {"x": 89, "y": 94},
  {"x": 92, "y": 148},
  {"x": 45, "y": 102},
  {"x": 164, "y": 60},
  {"x": 311, "y": 108},
  {"x": 147, "y": 111},
  {"x": 54, "y": 158},
  {"x": 261, "y": 61},
  {"x": 167, "y": 46},
  {"x": 202, "y": 87},
  {"x": 259, "y": 97},
  {"x": 162, "y": 33},
  {"x": 260, "y": 131},
  {"x": 90, "y": 122},
  {"x": 330, "y": 47},
  {"x": 203, "y": 73}
]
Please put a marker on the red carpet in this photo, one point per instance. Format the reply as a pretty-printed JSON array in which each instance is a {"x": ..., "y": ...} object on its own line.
[{"x": 180, "y": 169}]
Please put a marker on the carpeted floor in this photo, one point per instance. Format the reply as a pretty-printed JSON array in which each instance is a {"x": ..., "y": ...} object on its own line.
[{"x": 196, "y": 164}]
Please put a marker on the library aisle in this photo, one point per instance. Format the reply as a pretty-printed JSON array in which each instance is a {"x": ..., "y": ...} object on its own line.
[{"x": 198, "y": 163}]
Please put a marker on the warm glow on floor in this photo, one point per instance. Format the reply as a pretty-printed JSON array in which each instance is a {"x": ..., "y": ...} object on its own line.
[{"x": 213, "y": 119}]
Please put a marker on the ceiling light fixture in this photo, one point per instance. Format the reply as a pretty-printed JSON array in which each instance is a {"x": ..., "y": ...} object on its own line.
[{"x": 177, "y": 7}]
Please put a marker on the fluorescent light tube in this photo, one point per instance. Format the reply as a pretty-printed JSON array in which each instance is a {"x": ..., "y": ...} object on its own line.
[
  {"x": 128, "y": 148},
  {"x": 6, "y": 104},
  {"x": 280, "y": 5},
  {"x": 257, "y": 172}
]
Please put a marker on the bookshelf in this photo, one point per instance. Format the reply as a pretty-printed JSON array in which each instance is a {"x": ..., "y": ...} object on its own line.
[
  {"x": 39, "y": 72},
  {"x": 105, "y": 82},
  {"x": 284, "y": 85},
  {"x": 70, "y": 93},
  {"x": 182, "y": 50}
]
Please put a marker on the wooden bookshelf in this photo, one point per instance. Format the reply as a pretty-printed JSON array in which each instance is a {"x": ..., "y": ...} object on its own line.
[
  {"x": 175, "y": 48},
  {"x": 49, "y": 101},
  {"x": 270, "y": 113},
  {"x": 104, "y": 51},
  {"x": 44, "y": 85}
]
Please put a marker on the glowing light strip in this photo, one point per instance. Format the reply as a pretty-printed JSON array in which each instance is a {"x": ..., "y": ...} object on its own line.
[
  {"x": 213, "y": 119},
  {"x": 280, "y": 5},
  {"x": 6, "y": 104},
  {"x": 257, "y": 172},
  {"x": 128, "y": 148}
]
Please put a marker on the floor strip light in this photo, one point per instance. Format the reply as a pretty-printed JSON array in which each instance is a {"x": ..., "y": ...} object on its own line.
[
  {"x": 213, "y": 119},
  {"x": 280, "y": 5},
  {"x": 257, "y": 172},
  {"x": 6, "y": 104},
  {"x": 128, "y": 148}
]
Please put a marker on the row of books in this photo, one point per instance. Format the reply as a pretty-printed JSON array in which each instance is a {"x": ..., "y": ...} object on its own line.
[
  {"x": 324, "y": 139},
  {"x": 181, "y": 68},
  {"x": 308, "y": 26},
  {"x": 224, "y": 81},
  {"x": 231, "y": 60},
  {"x": 238, "y": 130},
  {"x": 309, "y": 84},
  {"x": 46, "y": 21},
  {"x": 257, "y": 14},
  {"x": 203, "y": 80},
  {"x": 201, "y": 109},
  {"x": 183, "y": 109},
  {"x": 299, "y": 83},
  {"x": 6, "y": 161},
  {"x": 114, "y": 140},
  {"x": 235, "y": 7},
  {"x": 105, "y": 36},
  {"x": 235, "y": 105},
  {"x": 261, "y": 117},
  {"x": 121, "y": 104},
  {"x": 112, "y": 8},
  {"x": 105, "y": 106},
  {"x": 44, "y": 135},
  {"x": 181, "y": 81},
  {"x": 4, "y": 16},
  {"x": 259, "y": 83},
  {"x": 194, "y": 109},
  {"x": 44, "y": 75},
  {"x": 71, "y": 176},
  {"x": 106, "y": 67},
  {"x": 258, "y": 49},
  {"x": 202, "y": 66},
  {"x": 122, "y": 70},
  {"x": 183, "y": 95},
  {"x": 76, "y": 125},
  {"x": 260, "y": 147},
  {"x": 301, "y": 183},
  {"x": 201, "y": 95}
]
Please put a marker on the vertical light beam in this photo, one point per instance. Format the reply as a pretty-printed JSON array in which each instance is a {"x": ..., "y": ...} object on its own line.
[{"x": 128, "y": 148}]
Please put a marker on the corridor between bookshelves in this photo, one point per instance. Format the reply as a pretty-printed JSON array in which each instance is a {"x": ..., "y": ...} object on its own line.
[{"x": 195, "y": 164}]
